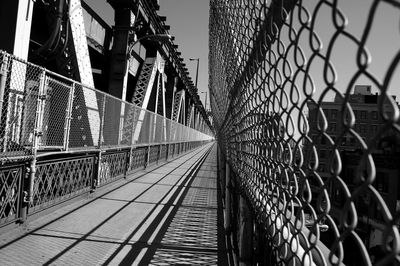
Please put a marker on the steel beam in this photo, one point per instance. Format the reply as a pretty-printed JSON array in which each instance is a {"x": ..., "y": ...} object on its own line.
[{"x": 84, "y": 66}]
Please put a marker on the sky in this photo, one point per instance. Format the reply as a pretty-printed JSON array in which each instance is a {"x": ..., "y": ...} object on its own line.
[
  {"x": 189, "y": 24},
  {"x": 188, "y": 20}
]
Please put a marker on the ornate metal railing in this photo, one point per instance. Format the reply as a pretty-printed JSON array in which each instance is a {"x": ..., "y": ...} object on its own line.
[
  {"x": 60, "y": 138},
  {"x": 302, "y": 96}
]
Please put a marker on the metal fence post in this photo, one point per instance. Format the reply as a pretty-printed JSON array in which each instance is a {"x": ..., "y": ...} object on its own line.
[
  {"x": 221, "y": 173},
  {"x": 245, "y": 233},
  {"x": 127, "y": 162},
  {"x": 101, "y": 129},
  {"x": 68, "y": 117},
  {"x": 135, "y": 119},
  {"x": 147, "y": 158},
  {"x": 37, "y": 133},
  {"x": 227, "y": 197},
  {"x": 3, "y": 79},
  {"x": 96, "y": 176}
]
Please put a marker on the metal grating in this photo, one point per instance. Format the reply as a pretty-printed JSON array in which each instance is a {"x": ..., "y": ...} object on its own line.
[
  {"x": 59, "y": 180},
  {"x": 113, "y": 166},
  {"x": 10, "y": 198},
  {"x": 138, "y": 158},
  {"x": 146, "y": 80},
  {"x": 163, "y": 152},
  {"x": 153, "y": 154}
]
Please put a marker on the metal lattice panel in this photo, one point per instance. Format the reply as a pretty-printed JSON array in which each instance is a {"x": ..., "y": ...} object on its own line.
[
  {"x": 171, "y": 151},
  {"x": 153, "y": 154},
  {"x": 145, "y": 82},
  {"x": 178, "y": 106},
  {"x": 138, "y": 158},
  {"x": 59, "y": 180},
  {"x": 302, "y": 103},
  {"x": 10, "y": 179},
  {"x": 163, "y": 152},
  {"x": 113, "y": 165}
]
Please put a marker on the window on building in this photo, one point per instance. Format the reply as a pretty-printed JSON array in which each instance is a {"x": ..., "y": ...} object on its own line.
[
  {"x": 374, "y": 115},
  {"x": 334, "y": 114},
  {"x": 363, "y": 128},
  {"x": 382, "y": 182},
  {"x": 322, "y": 153},
  {"x": 332, "y": 127},
  {"x": 374, "y": 128},
  {"x": 348, "y": 176},
  {"x": 321, "y": 167},
  {"x": 363, "y": 115}
]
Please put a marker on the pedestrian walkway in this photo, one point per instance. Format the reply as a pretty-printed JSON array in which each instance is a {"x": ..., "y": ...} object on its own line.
[{"x": 167, "y": 216}]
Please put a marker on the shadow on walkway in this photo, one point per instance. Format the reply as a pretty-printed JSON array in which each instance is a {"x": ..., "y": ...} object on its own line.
[{"x": 169, "y": 216}]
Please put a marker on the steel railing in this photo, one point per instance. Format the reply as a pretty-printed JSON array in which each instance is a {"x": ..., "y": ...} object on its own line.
[
  {"x": 302, "y": 102},
  {"x": 60, "y": 138}
]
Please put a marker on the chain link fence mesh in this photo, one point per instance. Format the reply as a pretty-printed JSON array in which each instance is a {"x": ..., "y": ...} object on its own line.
[
  {"x": 303, "y": 96},
  {"x": 41, "y": 110}
]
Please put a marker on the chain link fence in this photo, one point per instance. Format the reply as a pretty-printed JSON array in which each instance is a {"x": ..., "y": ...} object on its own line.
[
  {"x": 41, "y": 110},
  {"x": 303, "y": 97},
  {"x": 60, "y": 138}
]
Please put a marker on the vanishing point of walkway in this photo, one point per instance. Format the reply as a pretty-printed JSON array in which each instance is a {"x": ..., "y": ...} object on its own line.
[{"x": 165, "y": 216}]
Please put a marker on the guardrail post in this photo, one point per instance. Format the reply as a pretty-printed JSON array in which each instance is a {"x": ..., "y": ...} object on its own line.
[
  {"x": 96, "y": 175},
  {"x": 127, "y": 162},
  {"x": 245, "y": 233},
  {"x": 102, "y": 117},
  {"x": 23, "y": 212},
  {"x": 36, "y": 134},
  {"x": 68, "y": 117},
  {"x": 227, "y": 197},
  {"x": 3, "y": 79},
  {"x": 147, "y": 159},
  {"x": 159, "y": 152},
  {"x": 221, "y": 172}
]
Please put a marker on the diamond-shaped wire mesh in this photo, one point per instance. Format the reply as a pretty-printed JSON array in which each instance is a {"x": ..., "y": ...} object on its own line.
[
  {"x": 163, "y": 152},
  {"x": 153, "y": 154},
  {"x": 59, "y": 180},
  {"x": 10, "y": 180},
  {"x": 113, "y": 166},
  {"x": 113, "y": 121},
  {"x": 20, "y": 84},
  {"x": 86, "y": 120},
  {"x": 138, "y": 158},
  {"x": 302, "y": 97},
  {"x": 55, "y": 113},
  {"x": 41, "y": 112}
]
